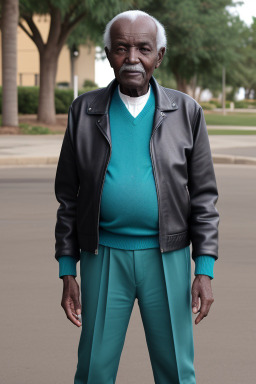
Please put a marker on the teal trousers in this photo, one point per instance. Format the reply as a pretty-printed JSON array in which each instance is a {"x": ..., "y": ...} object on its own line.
[{"x": 110, "y": 283}]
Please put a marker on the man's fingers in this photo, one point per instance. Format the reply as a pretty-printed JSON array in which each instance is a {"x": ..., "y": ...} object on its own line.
[
  {"x": 70, "y": 300},
  {"x": 69, "y": 308},
  {"x": 205, "y": 308},
  {"x": 77, "y": 311},
  {"x": 199, "y": 318},
  {"x": 71, "y": 316}
]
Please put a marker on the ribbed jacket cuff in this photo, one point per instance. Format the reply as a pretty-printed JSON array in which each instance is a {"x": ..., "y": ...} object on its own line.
[
  {"x": 67, "y": 266},
  {"x": 204, "y": 265}
]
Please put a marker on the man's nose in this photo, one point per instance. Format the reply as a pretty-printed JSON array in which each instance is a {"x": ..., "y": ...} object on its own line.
[{"x": 133, "y": 56}]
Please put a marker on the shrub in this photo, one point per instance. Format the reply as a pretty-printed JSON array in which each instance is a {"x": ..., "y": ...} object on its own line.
[
  {"x": 63, "y": 84},
  {"x": 27, "y": 129},
  {"x": 63, "y": 99},
  {"x": 28, "y": 99},
  {"x": 245, "y": 104},
  {"x": 208, "y": 106},
  {"x": 89, "y": 84}
]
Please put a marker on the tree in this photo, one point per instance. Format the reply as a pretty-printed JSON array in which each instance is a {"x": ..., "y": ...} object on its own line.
[
  {"x": 9, "y": 23},
  {"x": 233, "y": 60},
  {"x": 65, "y": 15},
  {"x": 200, "y": 37},
  {"x": 244, "y": 74}
]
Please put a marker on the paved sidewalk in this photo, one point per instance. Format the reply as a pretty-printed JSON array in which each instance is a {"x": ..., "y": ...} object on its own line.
[{"x": 45, "y": 149}]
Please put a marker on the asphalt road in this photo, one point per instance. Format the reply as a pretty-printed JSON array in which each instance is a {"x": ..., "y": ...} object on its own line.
[{"x": 39, "y": 344}]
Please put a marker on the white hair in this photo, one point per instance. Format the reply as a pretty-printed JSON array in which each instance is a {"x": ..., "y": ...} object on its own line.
[{"x": 161, "y": 40}]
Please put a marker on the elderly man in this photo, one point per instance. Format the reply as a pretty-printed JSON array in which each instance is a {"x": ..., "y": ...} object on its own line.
[{"x": 136, "y": 185}]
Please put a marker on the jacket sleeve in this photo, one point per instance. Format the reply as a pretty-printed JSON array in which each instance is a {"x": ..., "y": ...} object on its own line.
[
  {"x": 66, "y": 191},
  {"x": 204, "y": 217}
]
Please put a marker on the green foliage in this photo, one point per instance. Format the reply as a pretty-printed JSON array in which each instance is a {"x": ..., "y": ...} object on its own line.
[
  {"x": 100, "y": 12},
  {"x": 244, "y": 72},
  {"x": 231, "y": 132},
  {"x": 218, "y": 104},
  {"x": 246, "y": 104},
  {"x": 89, "y": 84},
  {"x": 63, "y": 84},
  {"x": 27, "y": 129},
  {"x": 202, "y": 38},
  {"x": 207, "y": 106},
  {"x": 91, "y": 15},
  {"x": 63, "y": 99},
  {"x": 28, "y": 99},
  {"x": 242, "y": 119}
]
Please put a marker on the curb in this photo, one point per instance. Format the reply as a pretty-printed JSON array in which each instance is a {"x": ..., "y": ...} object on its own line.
[
  {"x": 19, "y": 161},
  {"x": 228, "y": 159},
  {"x": 28, "y": 160}
]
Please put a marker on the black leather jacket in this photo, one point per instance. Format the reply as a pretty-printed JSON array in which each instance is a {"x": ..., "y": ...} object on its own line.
[{"x": 182, "y": 166}]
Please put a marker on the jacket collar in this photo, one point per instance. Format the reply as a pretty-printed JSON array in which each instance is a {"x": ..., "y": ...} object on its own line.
[{"x": 100, "y": 104}]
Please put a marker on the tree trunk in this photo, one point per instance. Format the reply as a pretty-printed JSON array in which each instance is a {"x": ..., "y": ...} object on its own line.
[
  {"x": 10, "y": 14},
  {"x": 199, "y": 94},
  {"x": 181, "y": 83},
  {"x": 48, "y": 70},
  {"x": 193, "y": 83}
]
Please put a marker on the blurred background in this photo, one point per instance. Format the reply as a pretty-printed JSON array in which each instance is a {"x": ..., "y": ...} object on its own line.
[{"x": 51, "y": 51}]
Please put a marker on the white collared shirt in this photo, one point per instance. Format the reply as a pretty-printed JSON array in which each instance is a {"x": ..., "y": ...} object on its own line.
[{"x": 134, "y": 104}]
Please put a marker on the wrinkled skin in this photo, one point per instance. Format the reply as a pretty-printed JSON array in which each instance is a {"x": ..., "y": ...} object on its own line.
[
  {"x": 135, "y": 43},
  {"x": 70, "y": 299}
]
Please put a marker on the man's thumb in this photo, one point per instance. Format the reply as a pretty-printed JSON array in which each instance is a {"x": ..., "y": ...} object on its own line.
[{"x": 195, "y": 302}]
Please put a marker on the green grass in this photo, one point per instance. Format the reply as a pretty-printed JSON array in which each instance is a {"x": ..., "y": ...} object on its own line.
[
  {"x": 230, "y": 132},
  {"x": 237, "y": 119},
  {"x": 27, "y": 129}
]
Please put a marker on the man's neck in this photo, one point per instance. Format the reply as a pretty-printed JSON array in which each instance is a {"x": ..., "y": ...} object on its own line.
[{"x": 134, "y": 92}]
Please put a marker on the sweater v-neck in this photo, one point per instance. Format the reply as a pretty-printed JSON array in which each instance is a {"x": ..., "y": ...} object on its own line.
[{"x": 135, "y": 120}]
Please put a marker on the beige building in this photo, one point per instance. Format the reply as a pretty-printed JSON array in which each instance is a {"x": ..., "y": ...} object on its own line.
[{"x": 28, "y": 59}]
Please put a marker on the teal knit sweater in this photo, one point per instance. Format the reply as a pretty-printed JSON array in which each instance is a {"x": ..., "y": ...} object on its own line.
[{"x": 129, "y": 206}]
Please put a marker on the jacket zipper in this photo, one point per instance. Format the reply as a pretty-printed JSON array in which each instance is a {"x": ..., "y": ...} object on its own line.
[
  {"x": 102, "y": 184},
  {"x": 154, "y": 173}
]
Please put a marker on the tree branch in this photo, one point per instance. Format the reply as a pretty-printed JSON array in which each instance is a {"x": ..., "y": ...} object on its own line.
[
  {"x": 55, "y": 26},
  {"x": 25, "y": 30},
  {"x": 66, "y": 29},
  {"x": 37, "y": 38}
]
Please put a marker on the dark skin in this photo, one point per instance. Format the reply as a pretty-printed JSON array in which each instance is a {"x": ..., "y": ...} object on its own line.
[{"x": 135, "y": 44}]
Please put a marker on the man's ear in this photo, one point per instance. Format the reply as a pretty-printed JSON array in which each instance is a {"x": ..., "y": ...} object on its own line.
[{"x": 160, "y": 56}]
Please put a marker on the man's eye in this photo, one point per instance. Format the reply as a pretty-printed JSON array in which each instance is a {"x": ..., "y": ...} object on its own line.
[
  {"x": 143, "y": 49},
  {"x": 121, "y": 49}
]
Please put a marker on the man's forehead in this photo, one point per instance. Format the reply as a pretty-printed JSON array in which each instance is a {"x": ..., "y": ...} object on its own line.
[{"x": 141, "y": 27}]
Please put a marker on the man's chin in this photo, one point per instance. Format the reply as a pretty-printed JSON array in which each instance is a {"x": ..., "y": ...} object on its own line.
[{"x": 132, "y": 82}]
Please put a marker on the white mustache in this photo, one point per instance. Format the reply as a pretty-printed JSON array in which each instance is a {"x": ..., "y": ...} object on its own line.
[{"x": 132, "y": 68}]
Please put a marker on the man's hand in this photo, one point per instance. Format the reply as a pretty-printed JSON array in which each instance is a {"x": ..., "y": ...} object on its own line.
[
  {"x": 70, "y": 299},
  {"x": 202, "y": 288}
]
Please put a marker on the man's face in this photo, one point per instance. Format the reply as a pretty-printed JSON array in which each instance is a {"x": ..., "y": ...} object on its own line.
[{"x": 133, "y": 54}]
